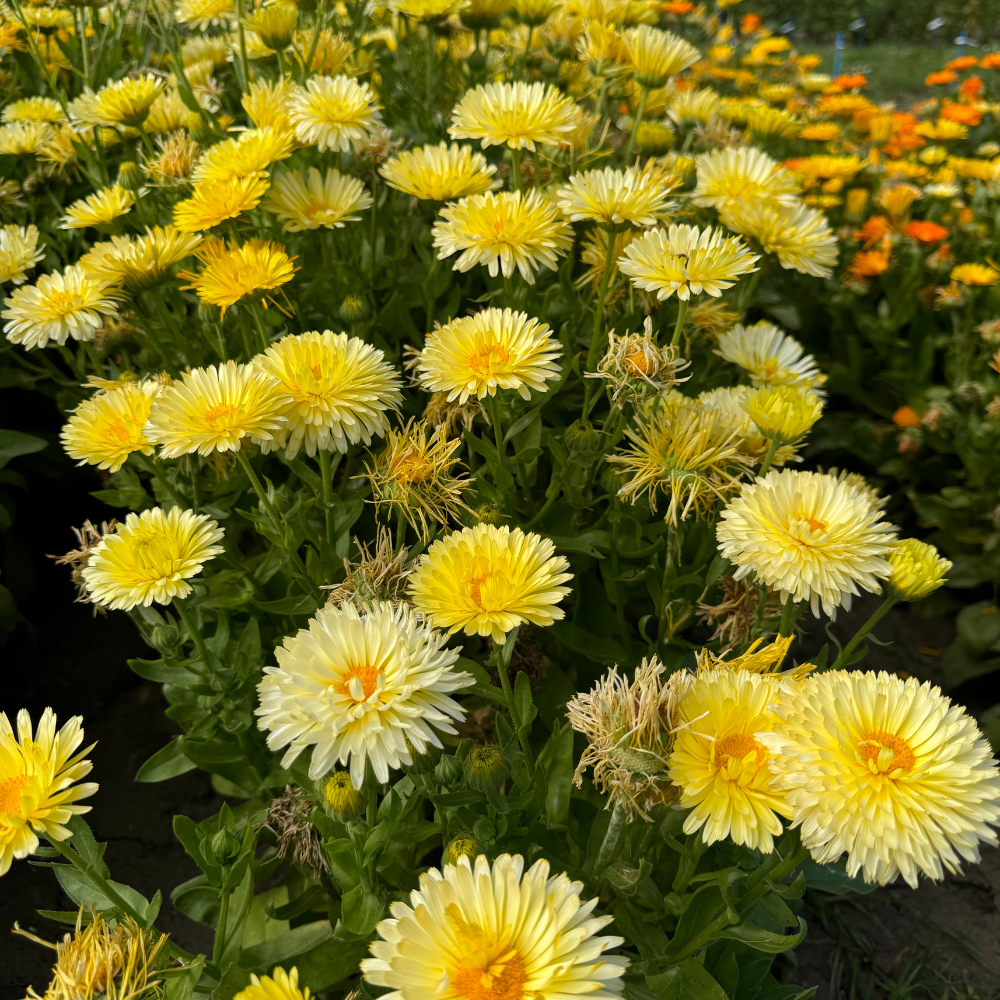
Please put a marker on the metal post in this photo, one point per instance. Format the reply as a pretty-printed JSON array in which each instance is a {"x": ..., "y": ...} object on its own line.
[{"x": 838, "y": 54}]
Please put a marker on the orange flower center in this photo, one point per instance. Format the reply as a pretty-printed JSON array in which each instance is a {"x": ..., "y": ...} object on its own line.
[
  {"x": 120, "y": 432},
  {"x": 488, "y": 358},
  {"x": 10, "y": 793},
  {"x": 638, "y": 364},
  {"x": 502, "y": 979},
  {"x": 413, "y": 468},
  {"x": 885, "y": 752},
  {"x": 475, "y": 583},
  {"x": 736, "y": 746},
  {"x": 368, "y": 676},
  {"x": 220, "y": 412}
]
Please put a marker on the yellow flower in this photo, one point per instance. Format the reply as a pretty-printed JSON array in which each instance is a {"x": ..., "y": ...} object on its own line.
[
  {"x": 808, "y": 536},
  {"x": 503, "y": 231},
  {"x": 173, "y": 164},
  {"x": 249, "y": 155},
  {"x": 199, "y": 49},
  {"x": 122, "y": 104},
  {"x": 250, "y": 270},
  {"x": 684, "y": 450},
  {"x": 105, "y": 429},
  {"x": 150, "y": 558},
  {"x": 340, "y": 797},
  {"x": 742, "y": 175},
  {"x": 71, "y": 304},
  {"x": 274, "y": 24},
  {"x": 280, "y": 985},
  {"x": 821, "y": 132},
  {"x": 355, "y": 684},
  {"x": 657, "y": 55},
  {"x": 23, "y": 138},
  {"x": 783, "y": 413},
  {"x": 139, "y": 261},
  {"x": 35, "y": 109},
  {"x": 687, "y": 261},
  {"x": 487, "y": 580},
  {"x": 728, "y": 401},
  {"x": 770, "y": 123},
  {"x": 917, "y": 569},
  {"x": 338, "y": 387},
  {"x": 769, "y": 356},
  {"x": 495, "y": 348},
  {"x": 887, "y": 770},
  {"x": 38, "y": 782},
  {"x": 943, "y": 130},
  {"x": 203, "y": 13},
  {"x": 266, "y": 104},
  {"x": 617, "y": 197},
  {"x": 324, "y": 200},
  {"x": 976, "y": 275},
  {"x": 654, "y": 137},
  {"x": 516, "y": 114},
  {"x": 170, "y": 114},
  {"x": 629, "y": 730},
  {"x": 826, "y": 167},
  {"x": 636, "y": 368},
  {"x": 100, "y": 209},
  {"x": 19, "y": 253},
  {"x": 215, "y": 201},
  {"x": 439, "y": 173},
  {"x": 800, "y": 237},
  {"x": 427, "y": 10},
  {"x": 897, "y": 199},
  {"x": 694, "y": 106},
  {"x": 332, "y": 50},
  {"x": 333, "y": 113},
  {"x": 720, "y": 764},
  {"x": 449, "y": 935}
]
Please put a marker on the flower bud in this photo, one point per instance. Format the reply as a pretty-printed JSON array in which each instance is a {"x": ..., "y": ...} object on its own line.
[
  {"x": 423, "y": 763},
  {"x": 130, "y": 176},
  {"x": 582, "y": 438},
  {"x": 783, "y": 412},
  {"x": 462, "y": 846},
  {"x": 917, "y": 569},
  {"x": 489, "y": 513},
  {"x": 486, "y": 767},
  {"x": 339, "y": 797},
  {"x": 448, "y": 770},
  {"x": 352, "y": 309},
  {"x": 225, "y": 847}
]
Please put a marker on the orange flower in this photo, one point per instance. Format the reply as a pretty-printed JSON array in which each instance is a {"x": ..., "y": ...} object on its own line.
[
  {"x": 749, "y": 24},
  {"x": 869, "y": 264},
  {"x": 940, "y": 78},
  {"x": 971, "y": 89},
  {"x": 678, "y": 7},
  {"x": 874, "y": 229},
  {"x": 964, "y": 114},
  {"x": 925, "y": 232},
  {"x": 962, "y": 63},
  {"x": 906, "y": 416},
  {"x": 966, "y": 216},
  {"x": 991, "y": 61},
  {"x": 851, "y": 81}
]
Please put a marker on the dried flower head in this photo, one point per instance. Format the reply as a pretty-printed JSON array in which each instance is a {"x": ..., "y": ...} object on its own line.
[
  {"x": 735, "y": 615},
  {"x": 374, "y": 577},
  {"x": 288, "y": 819},
  {"x": 635, "y": 367}
]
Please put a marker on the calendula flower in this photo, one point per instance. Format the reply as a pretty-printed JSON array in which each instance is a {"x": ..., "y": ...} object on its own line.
[
  {"x": 849, "y": 740},
  {"x": 250, "y": 270},
  {"x": 493, "y": 349},
  {"x": 34, "y": 109},
  {"x": 545, "y": 942},
  {"x": 428, "y": 10},
  {"x": 616, "y": 197},
  {"x": 635, "y": 367},
  {"x": 215, "y": 201},
  {"x": 743, "y": 175},
  {"x": 19, "y": 253},
  {"x": 23, "y": 138},
  {"x": 439, "y": 173},
  {"x": 355, "y": 685},
  {"x": 800, "y": 237},
  {"x": 333, "y": 113},
  {"x": 821, "y": 132},
  {"x": 699, "y": 105},
  {"x": 280, "y": 985},
  {"x": 105, "y": 429},
  {"x": 975, "y": 275},
  {"x": 728, "y": 401},
  {"x": 249, "y": 155},
  {"x": 413, "y": 475},
  {"x": 122, "y": 104},
  {"x": 503, "y": 231},
  {"x": 214, "y": 409},
  {"x": 39, "y": 775},
  {"x": 917, "y": 569},
  {"x": 274, "y": 24},
  {"x": 487, "y": 580},
  {"x": 139, "y": 261},
  {"x": 657, "y": 55},
  {"x": 324, "y": 200},
  {"x": 174, "y": 162},
  {"x": 203, "y": 13},
  {"x": 809, "y": 536},
  {"x": 339, "y": 390},
  {"x": 518, "y": 115},
  {"x": 629, "y": 729},
  {"x": 685, "y": 260},
  {"x": 783, "y": 413},
  {"x": 769, "y": 356},
  {"x": 683, "y": 450},
  {"x": 58, "y": 307},
  {"x": 99, "y": 209},
  {"x": 719, "y": 762}
]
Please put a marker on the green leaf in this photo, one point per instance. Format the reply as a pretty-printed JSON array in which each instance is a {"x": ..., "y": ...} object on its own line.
[
  {"x": 587, "y": 543},
  {"x": 788, "y": 992},
  {"x": 599, "y": 649},
  {"x": 978, "y": 625},
  {"x": 87, "y": 846},
  {"x": 260, "y": 925},
  {"x": 833, "y": 878},
  {"x": 168, "y": 762},
  {"x": 327, "y": 965},
  {"x": 689, "y": 980},
  {"x": 15, "y": 443},
  {"x": 525, "y": 703},
  {"x": 179, "y": 984},
  {"x": 361, "y": 910},
  {"x": 235, "y": 980},
  {"x": 558, "y": 765},
  {"x": 265, "y": 955},
  {"x": 84, "y": 893},
  {"x": 762, "y": 940}
]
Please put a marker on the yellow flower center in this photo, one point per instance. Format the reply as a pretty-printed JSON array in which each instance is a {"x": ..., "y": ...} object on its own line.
[
  {"x": 502, "y": 978},
  {"x": 220, "y": 412},
  {"x": 366, "y": 675},
  {"x": 884, "y": 752},
  {"x": 638, "y": 364},
  {"x": 119, "y": 431},
  {"x": 474, "y": 584},
  {"x": 413, "y": 467},
  {"x": 62, "y": 303},
  {"x": 734, "y": 749},
  {"x": 10, "y": 793},
  {"x": 488, "y": 358}
]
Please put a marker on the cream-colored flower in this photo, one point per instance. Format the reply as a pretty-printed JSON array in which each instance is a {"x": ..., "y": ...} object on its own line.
[
  {"x": 323, "y": 201},
  {"x": 518, "y": 115}
]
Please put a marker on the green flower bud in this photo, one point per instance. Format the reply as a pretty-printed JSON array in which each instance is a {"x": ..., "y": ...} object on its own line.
[
  {"x": 130, "y": 176},
  {"x": 448, "y": 770},
  {"x": 486, "y": 767},
  {"x": 489, "y": 513},
  {"x": 225, "y": 847},
  {"x": 461, "y": 846},
  {"x": 353, "y": 308},
  {"x": 340, "y": 798},
  {"x": 423, "y": 763}
]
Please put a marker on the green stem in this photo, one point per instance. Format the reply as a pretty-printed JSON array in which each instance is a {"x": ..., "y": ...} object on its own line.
[
  {"x": 524, "y": 58},
  {"x": 317, "y": 31},
  {"x": 244, "y": 62},
  {"x": 431, "y": 60},
  {"x": 503, "y": 669},
  {"x": 401, "y": 524},
  {"x": 220, "y": 928},
  {"x": 515, "y": 168},
  {"x": 101, "y": 883},
  {"x": 196, "y": 636},
  {"x": 879, "y": 613},
  {"x": 150, "y": 466},
  {"x": 494, "y": 408},
  {"x": 635, "y": 125},
  {"x": 682, "y": 312},
  {"x": 553, "y": 495},
  {"x": 768, "y": 458},
  {"x": 597, "y": 336},
  {"x": 84, "y": 49},
  {"x": 787, "y": 614},
  {"x": 612, "y": 838},
  {"x": 326, "y": 473}
]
